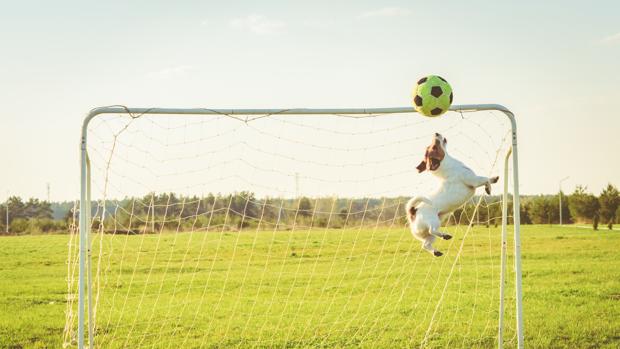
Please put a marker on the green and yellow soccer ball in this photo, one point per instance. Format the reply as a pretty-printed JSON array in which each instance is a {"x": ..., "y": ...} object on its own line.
[{"x": 432, "y": 96}]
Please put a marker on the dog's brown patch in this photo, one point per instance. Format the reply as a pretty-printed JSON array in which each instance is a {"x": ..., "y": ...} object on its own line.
[
  {"x": 412, "y": 212},
  {"x": 433, "y": 156}
]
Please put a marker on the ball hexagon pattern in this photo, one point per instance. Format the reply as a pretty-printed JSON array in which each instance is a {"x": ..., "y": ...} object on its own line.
[
  {"x": 417, "y": 100},
  {"x": 436, "y": 91},
  {"x": 432, "y": 96}
]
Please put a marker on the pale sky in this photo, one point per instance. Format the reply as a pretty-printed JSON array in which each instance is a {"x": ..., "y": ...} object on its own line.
[{"x": 556, "y": 64}]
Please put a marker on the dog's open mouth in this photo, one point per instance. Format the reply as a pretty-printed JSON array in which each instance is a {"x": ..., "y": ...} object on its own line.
[{"x": 434, "y": 163}]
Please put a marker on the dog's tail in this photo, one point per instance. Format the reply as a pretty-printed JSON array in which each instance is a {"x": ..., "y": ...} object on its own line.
[{"x": 412, "y": 204}]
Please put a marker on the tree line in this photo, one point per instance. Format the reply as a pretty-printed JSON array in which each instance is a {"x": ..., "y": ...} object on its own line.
[
  {"x": 579, "y": 207},
  {"x": 31, "y": 216},
  {"x": 158, "y": 212}
]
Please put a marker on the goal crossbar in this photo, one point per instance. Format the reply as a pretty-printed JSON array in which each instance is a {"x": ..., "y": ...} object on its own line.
[
  {"x": 85, "y": 293},
  {"x": 115, "y": 109}
]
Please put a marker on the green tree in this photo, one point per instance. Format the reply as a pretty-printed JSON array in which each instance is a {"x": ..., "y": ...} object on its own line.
[
  {"x": 69, "y": 216},
  {"x": 243, "y": 205},
  {"x": 583, "y": 206},
  {"x": 269, "y": 208},
  {"x": 524, "y": 213},
  {"x": 16, "y": 208},
  {"x": 609, "y": 201},
  {"x": 3, "y": 217},
  {"x": 542, "y": 210},
  {"x": 34, "y": 208},
  {"x": 305, "y": 207}
]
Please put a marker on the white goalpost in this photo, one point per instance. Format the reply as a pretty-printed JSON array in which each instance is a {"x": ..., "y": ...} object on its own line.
[{"x": 285, "y": 228}]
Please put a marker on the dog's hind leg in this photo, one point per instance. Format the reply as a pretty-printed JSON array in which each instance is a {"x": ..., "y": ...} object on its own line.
[
  {"x": 434, "y": 229},
  {"x": 442, "y": 235},
  {"x": 428, "y": 245}
]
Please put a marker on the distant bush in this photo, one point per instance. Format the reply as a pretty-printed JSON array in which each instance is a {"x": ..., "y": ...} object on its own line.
[
  {"x": 46, "y": 225},
  {"x": 19, "y": 226},
  {"x": 37, "y": 226}
]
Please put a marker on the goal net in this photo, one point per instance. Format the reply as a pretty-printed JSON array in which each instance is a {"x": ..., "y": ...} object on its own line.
[{"x": 284, "y": 229}]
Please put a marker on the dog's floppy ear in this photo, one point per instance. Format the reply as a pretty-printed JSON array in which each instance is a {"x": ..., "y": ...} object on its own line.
[{"x": 422, "y": 166}]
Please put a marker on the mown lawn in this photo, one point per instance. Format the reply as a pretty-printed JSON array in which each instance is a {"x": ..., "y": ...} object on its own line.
[{"x": 370, "y": 288}]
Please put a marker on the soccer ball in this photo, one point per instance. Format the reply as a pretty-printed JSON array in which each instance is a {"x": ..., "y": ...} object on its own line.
[{"x": 432, "y": 96}]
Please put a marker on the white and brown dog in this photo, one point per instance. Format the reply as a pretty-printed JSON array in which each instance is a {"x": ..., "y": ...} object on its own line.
[{"x": 458, "y": 185}]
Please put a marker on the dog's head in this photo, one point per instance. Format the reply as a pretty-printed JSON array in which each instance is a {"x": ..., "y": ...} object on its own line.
[{"x": 435, "y": 153}]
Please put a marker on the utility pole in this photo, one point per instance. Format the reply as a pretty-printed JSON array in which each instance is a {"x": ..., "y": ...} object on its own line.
[
  {"x": 560, "y": 195},
  {"x": 48, "y": 192},
  {"x": 297, "y": 184}
]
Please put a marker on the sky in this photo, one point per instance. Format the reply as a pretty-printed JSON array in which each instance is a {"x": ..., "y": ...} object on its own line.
[{"x": 555, "y": 64}]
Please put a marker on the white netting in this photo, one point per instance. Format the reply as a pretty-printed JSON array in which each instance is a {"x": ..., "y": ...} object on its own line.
[{"x": 286, "y": 231}]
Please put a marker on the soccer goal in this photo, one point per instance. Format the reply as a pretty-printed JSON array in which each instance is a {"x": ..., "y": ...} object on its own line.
[{"x": 260, "y": 228}]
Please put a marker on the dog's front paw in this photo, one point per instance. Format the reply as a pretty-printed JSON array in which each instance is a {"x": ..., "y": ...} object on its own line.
[
  {"x": 487, "y": 188},
  {"x": 494, "y": 179},
  {"x": 437, "y": 254}
]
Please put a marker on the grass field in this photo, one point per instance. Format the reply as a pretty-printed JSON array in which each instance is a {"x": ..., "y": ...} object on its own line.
[{"x": 322, "y": 289}]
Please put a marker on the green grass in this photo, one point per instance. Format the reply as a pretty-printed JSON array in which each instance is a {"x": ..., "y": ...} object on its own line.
[{"x": 321, "y": 289}]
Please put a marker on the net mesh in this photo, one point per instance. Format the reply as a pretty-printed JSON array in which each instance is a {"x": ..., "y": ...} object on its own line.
[{"x": 286, "y": 231}]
